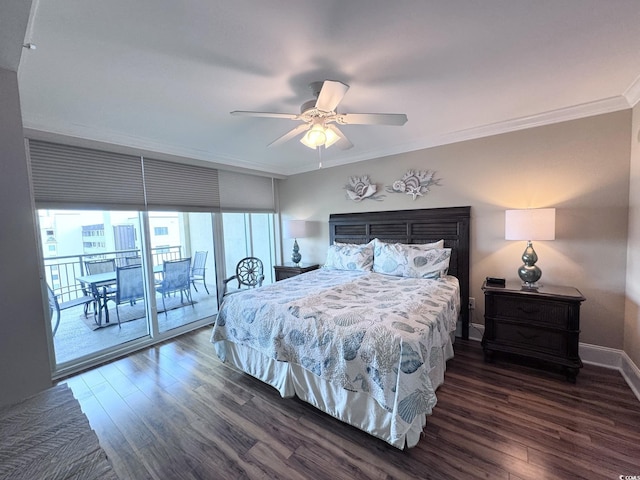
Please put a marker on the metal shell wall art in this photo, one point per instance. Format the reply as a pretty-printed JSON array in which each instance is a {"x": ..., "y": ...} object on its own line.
[
  {"x": 360, "y": 188},
  {"x": 415, "y": 183}
]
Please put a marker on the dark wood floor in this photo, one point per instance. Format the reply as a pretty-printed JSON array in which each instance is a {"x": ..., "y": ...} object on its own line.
[{"x": 175, "y": 412}]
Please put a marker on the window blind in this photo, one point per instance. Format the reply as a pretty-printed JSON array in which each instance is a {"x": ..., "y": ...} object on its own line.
[
  {"x": 240, "y": 192},
  {"x": 65, "y": 176},
  {"x": 171, "y": 186}
]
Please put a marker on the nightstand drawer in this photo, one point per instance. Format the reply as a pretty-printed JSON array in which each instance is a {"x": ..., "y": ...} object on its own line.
[
  {"x": 553, "y": 314},
  {"x": 542, "y": 323},
  {"x": 288, "y": 271},
  {"x": 522, "y": 336}
]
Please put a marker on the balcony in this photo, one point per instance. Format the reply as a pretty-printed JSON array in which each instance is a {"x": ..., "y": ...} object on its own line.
[{"x": 79, "y": 335}]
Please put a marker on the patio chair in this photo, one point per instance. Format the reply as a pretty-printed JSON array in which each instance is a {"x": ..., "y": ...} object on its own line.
[
  {"x": 249, "y": 274},
  {"x": 100, "y": 266},
  {"x": 133, "y": 260},
  {"x": 176, "y": 278},
  {"x": 129, "y": 286},
  {"x": 93, "y": 267},
  {"x": 55, "y": 305},
  {"x": 198, "y": 270}
]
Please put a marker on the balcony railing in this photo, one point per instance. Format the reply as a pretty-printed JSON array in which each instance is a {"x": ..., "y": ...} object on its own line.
[{"x": 61, "y": 272}]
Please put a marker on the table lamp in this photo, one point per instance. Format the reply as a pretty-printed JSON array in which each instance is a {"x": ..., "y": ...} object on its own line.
[
  {"x": 530, "y": 224},
  {"x": 296, "y": 229}
]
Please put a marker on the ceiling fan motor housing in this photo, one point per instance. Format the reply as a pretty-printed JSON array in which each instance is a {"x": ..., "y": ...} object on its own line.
[{"x": 308, "y": 106}]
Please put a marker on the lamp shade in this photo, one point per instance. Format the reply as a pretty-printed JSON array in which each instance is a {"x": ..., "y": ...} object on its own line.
[
  {"x": 296, "y": 229},
  {"x": 530, "y": 224}
]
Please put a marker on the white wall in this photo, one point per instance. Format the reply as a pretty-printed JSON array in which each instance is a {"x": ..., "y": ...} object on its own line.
[
  {"x": 632, "y": 306},
  {"x": 579, "y": 167},
  {"x": 24, "y": 362}
]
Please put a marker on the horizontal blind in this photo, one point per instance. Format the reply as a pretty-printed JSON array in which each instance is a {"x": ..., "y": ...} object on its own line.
[
  {"x": 66, "y": 176},
  {"x": 240, "y": 192},
  {"x": 171, "y": 186}
]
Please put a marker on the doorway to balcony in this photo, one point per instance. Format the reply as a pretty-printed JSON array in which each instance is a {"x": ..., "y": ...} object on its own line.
[{"x": 93, "y": 313}]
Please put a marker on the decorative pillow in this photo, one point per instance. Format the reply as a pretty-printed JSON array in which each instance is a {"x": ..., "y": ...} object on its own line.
[
  {"x": 426, "y": 246},
  {"x": 433, "y": 263},
  {"x": 350, "y": 257},
  {"x": 422, "y": 246},
  {"x": 389, "y": 258}
]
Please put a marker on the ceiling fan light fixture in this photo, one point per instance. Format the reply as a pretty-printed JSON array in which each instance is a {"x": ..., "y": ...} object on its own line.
[
  {"x": 315, "y": 137},
  {"x": 318, "y": 117},
  {"x": 332, "y": 137}
]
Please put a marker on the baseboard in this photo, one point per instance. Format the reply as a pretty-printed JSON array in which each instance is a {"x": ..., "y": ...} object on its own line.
[
  {"x": 631, "y": 374},
  {"x": 592, "y": 355},
  {"x": 476, "y": 331}
]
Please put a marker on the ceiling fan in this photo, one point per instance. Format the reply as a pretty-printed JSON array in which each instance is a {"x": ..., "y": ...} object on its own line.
[{"x": 319, "y": 117}]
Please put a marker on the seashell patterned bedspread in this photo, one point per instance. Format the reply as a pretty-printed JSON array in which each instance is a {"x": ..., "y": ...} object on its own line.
[{"x": 367, "y": 332}]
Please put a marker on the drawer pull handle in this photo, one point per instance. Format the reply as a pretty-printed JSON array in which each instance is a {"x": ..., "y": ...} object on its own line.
[
  {"x": 529, "y": 310},
  {"x": 528, "y": 337}
]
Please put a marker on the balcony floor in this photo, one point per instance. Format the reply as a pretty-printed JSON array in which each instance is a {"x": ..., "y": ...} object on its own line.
[{"x": 75, "y": 339}]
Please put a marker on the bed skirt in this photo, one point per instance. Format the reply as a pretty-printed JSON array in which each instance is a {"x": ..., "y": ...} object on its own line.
[{"x": 355, "y": 408}]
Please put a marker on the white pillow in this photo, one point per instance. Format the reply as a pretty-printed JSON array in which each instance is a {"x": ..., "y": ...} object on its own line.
[
  {"x": 407, "y": 261},
  {"x": 433, "y": 263},
  {"x": 350, "y": 257},
  {"x": 422, "y": 246},
  {"x": 426, "y": 246}
]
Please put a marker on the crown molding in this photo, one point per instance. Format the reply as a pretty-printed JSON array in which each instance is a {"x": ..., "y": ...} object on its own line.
[
  {"x": 599, "y": 107},
  {"x": 632, "y": 94},
  {"x": 40, "y": 128}
]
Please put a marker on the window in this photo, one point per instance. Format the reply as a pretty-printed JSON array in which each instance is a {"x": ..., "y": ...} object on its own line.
[
  {"x": 249, "y": 235},
  {"x": 149, "y": 214}
]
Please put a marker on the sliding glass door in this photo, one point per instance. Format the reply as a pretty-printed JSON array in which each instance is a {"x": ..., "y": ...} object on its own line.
[
  {"x": 193, "y": 232},
  {"x": 83, "y": 251},
  {"x": 128, "y": 249},
  {"x": 107, "y": 278}
]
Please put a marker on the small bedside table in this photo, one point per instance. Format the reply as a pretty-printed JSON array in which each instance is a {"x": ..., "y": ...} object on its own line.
[
  {"x": 541, "y": 323},
  {"x": 291, "y": 270}
]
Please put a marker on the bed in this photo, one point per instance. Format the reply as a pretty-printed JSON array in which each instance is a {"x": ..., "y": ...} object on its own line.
[{"x": 367, "y": 347}]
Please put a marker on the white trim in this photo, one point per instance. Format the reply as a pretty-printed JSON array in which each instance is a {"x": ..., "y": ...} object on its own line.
[
  {"x": 631, "y": 374},
  {"x": 40, "y": 125},
  {"x": 574, "y": 112},
  {"x": 593, "y": 355},
  {"x": 39, "y": 128},
  {"x": 476, "y": 331},
  {"x": 632, "y": 94},
  {"x": 600, "y": 356}
]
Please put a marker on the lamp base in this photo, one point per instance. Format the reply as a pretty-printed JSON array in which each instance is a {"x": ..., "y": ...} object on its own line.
[
  {"x": 295, "y": 256},
  {"x": 529, "y": 273}
]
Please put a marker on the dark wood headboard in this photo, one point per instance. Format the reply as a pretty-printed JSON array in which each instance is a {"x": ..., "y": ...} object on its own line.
[{"x": 414, "y": 226}]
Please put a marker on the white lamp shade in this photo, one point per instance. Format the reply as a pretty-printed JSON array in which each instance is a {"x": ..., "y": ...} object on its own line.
[
  {"x": 531, "y": 224},
  {"x": 296, "y": 229}
]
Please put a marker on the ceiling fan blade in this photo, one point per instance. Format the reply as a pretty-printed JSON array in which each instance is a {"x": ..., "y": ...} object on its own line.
[
  {"x": 289, "y": 116},
  {"x": 372, "y": 119},
  {"x": 303, "y": 127},
  {"x": 343, "y": 143},
  {"x": 330, "y": 95}
]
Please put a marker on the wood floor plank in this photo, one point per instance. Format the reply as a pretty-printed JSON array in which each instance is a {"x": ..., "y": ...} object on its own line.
[{"x": 176, "y": 411}]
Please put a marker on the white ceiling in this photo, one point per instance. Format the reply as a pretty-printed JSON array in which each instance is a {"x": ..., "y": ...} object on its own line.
[{"x": 162, "y": 75}]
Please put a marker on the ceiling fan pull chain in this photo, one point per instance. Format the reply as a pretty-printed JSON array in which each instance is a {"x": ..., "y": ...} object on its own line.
[{"x": 320, "y": 156}]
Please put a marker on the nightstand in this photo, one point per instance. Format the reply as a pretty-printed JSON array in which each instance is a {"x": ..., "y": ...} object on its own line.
[
  {"x": 542, "y": 324},
  {"x": 291, "y": 270}
]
